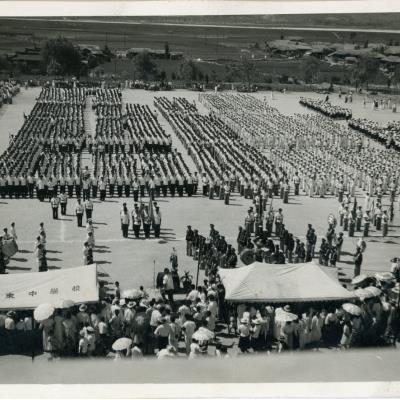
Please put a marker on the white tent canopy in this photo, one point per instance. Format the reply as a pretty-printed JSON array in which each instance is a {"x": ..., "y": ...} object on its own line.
[
  {"x": 261, "y": 282},
  {"x": 18, "y": 291}
]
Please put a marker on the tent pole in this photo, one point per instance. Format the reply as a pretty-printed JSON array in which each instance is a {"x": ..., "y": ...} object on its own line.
[
  {"x": 198, "y": 270},
  {"x": 154, "y": 275}
]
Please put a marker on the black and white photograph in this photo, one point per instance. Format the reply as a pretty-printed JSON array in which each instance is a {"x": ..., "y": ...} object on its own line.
[{"x": 199, "y": 198}]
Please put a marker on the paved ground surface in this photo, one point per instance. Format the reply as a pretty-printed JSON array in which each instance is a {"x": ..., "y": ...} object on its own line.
[
  {"x": 375, "y": 365},
  {"x": 131, "y": 261}
]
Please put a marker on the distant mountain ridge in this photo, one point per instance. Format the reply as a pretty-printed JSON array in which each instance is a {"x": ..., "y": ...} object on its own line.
[{"x": 363, "y": 21}]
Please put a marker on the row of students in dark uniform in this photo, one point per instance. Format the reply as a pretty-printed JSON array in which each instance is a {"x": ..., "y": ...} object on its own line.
[{"x": 212, "y": 251}]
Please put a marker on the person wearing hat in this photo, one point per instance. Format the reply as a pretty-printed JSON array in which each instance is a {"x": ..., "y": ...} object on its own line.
[
  {"x": 88, "y": 208},
  {"x": 55, "y": 202},
  {"x": 129, "y": 318},
  {"x": 91, "y": 340},
  {"x": 9, "y": 322},
  {"x": 82, "y": 316},
  {"x": 79, "y": 212},
  {"x": 189, "y": 240},
  {"x": 162, "y": 333},
  {"x": 167, "y": 352},
  {"x": 157, "y": 222},
  {"x": 244, "y": 335}
]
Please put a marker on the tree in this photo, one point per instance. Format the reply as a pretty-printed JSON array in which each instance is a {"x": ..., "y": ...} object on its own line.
[
  {"x": 189, "y": 71},
  {"x": 166, "y": 51},
  {"x": 247, "y": 69},
  {"x": 61, "y": 57},
  {"x": 163, "y": 76},
  {"x": 312, "y": 68},
  {"x": 395, "y": 77},
  {"x": 368, "y": 70},
  {"x": 144, "y": 65},
  {"x": 107, "y": 53},
  {"x": 4, "y": 63}
]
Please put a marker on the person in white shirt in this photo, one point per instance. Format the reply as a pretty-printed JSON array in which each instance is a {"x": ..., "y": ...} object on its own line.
[
  {"x": 125, "y": 220},
  {"x": 168, "y": 286},
  {"x": 79, "y": 212},
  {"x": 88, "y": 208},
  {"x": 188, "y": 327},
  {"x": 157, "y": 222},
  {"x": 13, "y": 232},
  {"x": 83, "y": 345}
]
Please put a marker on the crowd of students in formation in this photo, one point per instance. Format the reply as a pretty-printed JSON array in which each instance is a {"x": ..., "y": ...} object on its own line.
[
  {"x": 242, "y": 145},
  {"x": 326, "y": 108},
  {"x": 313, "y": 154},
  {"x": 387, "y": 134},
  {"x": 48, "y": 146},
  {"x": 8, "y": 89}
]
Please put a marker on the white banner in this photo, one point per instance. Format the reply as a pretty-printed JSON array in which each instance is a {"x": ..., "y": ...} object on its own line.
[{"x": 32, "y": 289}]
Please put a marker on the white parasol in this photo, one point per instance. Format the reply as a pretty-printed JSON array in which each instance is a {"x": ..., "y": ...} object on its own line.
[
  {"x": 203, "y": 334},
  {"x": 62, "y": 303},
  {"x": 122, "y": 344},
  {"x": 132, "y": 294},
  {"x": 43, "y": 311},
  {"x": 284, "y": 316},
  {"x": 359, "y": 279},
  {"x": 351, "y": 309},
  {"x": 374, "y": 291}
]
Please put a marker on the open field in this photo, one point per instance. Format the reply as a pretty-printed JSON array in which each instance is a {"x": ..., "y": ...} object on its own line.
[
  {"x": 131, "y": 261},
  {"x": 194, "y": 41}
]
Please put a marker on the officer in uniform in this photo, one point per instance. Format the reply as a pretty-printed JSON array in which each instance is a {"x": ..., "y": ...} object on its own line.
[
  {"x": 86, "y": 188},
  {"x": 195, "y": 183},
  {"x": 189, "y": 240},
  {"x": 63, "y": 202},
  {"x": 378, "y": 218},
  {"x": 103, "y": 188},
  {"x": 135, "y": 189},
  {"x": 3, "y": 185},
  {"x": 79, "y": 212},
  {"x": 296, "y": 181},
  {"x": 385, "y": 223},
  {"x": 359, "y": 215},
  {"x": 136, "y": 221},
  {"x": 78, "y": 186},
  {"x": 120, "y": 183},
  {"x": 367, "y": 221},
  {"x": 346, "y": 216},
  {"x": 352, "y": 225},
  {"x": 157, "y": 222},
  {"x": 127, "y": 188},
  {"x": 142, "y": 185},
  {"x": 164, "y": 185},
  {"x": 112, "y": 185},
  {"x": 55, "y": 202},
  {"x": 146, "y": 222},
  {"x": 226, "y": 193},
  {"x": 88, "y": 209},
  {"x": 189, "y": 187},
  {"x": 286, "y": 190},
  {"x": 94, "y": 186},
  {"x": 70, "y": 186},
  {"x": 23, "y": 186}
]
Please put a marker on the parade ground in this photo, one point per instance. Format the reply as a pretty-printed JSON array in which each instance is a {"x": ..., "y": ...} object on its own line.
[{"x": 134, "y": 262}]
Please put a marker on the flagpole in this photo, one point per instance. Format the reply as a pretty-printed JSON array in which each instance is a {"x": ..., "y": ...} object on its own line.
[{"x": 154, "y": 275}]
